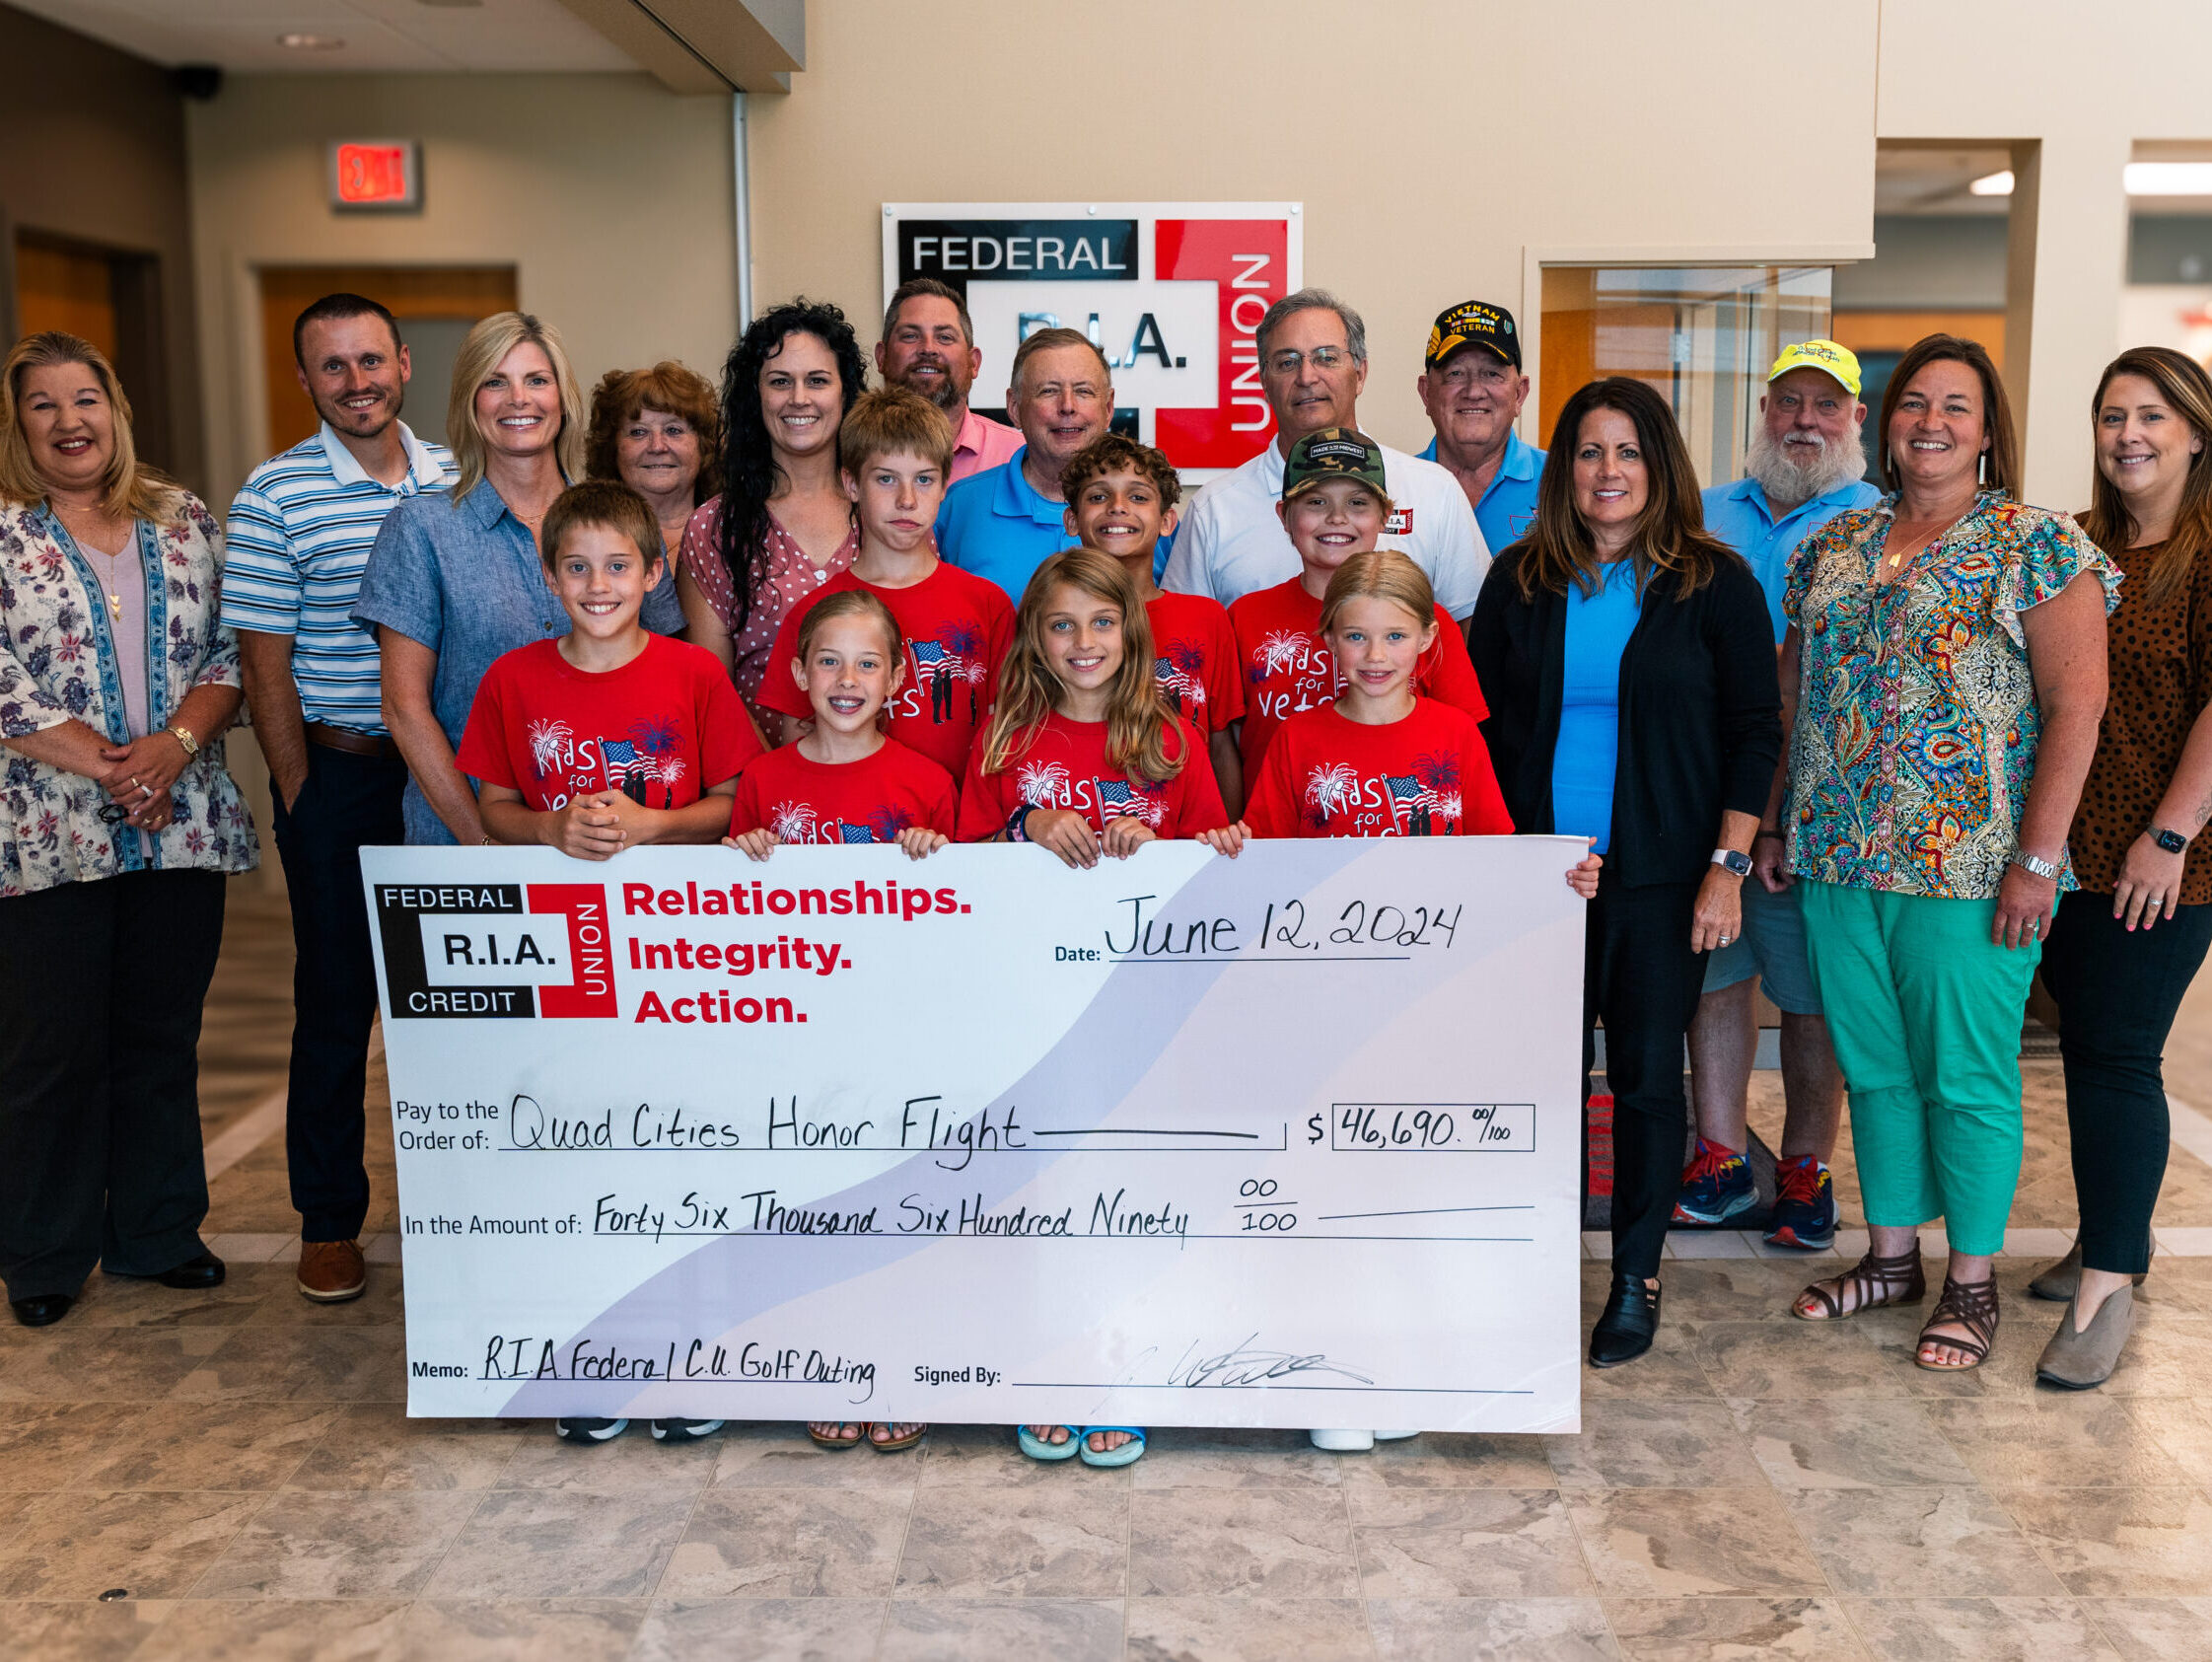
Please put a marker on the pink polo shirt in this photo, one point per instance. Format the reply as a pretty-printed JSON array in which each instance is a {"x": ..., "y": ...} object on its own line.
[{"x": 981, "y": 443}]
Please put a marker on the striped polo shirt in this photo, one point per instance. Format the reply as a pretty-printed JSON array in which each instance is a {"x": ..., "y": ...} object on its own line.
[{"x": 300, "y": 532}]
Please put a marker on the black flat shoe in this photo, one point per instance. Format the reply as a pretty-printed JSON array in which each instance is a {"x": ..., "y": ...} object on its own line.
[
  {"x": 1624, "y": 1332},
  {"x": 195, "y": 1273},
  {"x": 42, "y": 1310}
]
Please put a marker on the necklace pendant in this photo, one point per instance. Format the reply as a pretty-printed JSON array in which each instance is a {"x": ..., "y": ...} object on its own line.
[{"x": 115, "y": 606}]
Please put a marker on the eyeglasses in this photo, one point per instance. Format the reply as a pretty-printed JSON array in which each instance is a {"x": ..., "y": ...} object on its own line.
[{"x": 1323, "y": 358}]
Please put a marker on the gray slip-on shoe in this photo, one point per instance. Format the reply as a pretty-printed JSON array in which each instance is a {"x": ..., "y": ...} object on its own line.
[
  {"x": 2080, "y": 1361},
  {"x": 2059, "y": 1279}
]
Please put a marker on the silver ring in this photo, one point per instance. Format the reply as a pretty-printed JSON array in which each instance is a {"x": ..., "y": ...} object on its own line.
[
  {"x": 144, "y": 790},
  {"x": 1724, "y": 940}
]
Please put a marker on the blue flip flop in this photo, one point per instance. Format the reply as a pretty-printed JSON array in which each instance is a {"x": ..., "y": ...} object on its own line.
[
  {"x": 1039, "y": 1450},
  {"x": 1126, "y": 1455}
]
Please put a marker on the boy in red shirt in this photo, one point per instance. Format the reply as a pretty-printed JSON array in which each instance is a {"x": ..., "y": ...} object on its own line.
[
  {"x": 894, "y": 448},
  {"x": 610, "y": 737},
  {"x": 1121, "y": 500},
  {"x": 1332, "y": 507}
]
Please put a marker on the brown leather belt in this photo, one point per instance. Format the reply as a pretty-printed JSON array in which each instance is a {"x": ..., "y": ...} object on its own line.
[{"x": 353, "y": 744}]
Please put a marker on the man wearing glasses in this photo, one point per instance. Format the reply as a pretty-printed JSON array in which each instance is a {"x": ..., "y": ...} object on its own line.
[{"x": 1312, "y": 363}]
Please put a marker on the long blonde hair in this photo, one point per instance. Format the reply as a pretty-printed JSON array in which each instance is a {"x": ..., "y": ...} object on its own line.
[
  {"x": 2182, "y": 382},
  {"x": 481, "y": 353},
  {"x": 1029, "y": 689},
  {"x": 1381, "y": 575},
  {"x": 127, "y": 487}
]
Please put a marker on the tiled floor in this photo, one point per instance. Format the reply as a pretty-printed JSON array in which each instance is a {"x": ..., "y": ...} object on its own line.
[{"x": 241, "y": 1466}]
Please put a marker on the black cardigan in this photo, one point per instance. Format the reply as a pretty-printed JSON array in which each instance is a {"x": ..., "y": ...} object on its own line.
[{"x": 1701, "y": 714}]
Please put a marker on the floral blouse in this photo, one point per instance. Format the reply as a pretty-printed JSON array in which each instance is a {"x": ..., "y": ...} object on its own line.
[
  {"x": 1916, "y": 717},
  {"x": 787, "y": 577},
  {"x": 57, "y": 661}
]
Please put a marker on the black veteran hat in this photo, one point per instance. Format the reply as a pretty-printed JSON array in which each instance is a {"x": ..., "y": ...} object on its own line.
[
  {"x": 1473, "y": 323},
  {"x": 1334, "y": 452}
]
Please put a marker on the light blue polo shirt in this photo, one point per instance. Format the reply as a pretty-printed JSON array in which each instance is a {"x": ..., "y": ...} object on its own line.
[
  {"x": 1509, "y": 502},
  {"x": 1739, "y": 514},
  {"x": 995, "y": 525}
]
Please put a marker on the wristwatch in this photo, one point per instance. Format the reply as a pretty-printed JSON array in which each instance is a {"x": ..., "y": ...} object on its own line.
[
  {"x": 2173, "y": 842},
  {"x": 1739, "y": 864},
  {"x": 183, "y": 736},
  {"x": 2037, "y": 866}
]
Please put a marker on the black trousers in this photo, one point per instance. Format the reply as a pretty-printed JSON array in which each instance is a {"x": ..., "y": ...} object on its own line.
[
  {"x": 2118, "y": 995},
  {"x": 101, "y": 989},
  {"x": 348, "y": 801},
  {"x": 1643, "y": 980}
]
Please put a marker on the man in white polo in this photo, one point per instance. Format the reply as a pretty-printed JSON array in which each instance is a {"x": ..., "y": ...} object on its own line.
[{"x": 1312, "y": 363}]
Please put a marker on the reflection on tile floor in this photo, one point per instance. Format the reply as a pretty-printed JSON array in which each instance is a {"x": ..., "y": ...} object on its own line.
[{"x": 241, "y": 1464}]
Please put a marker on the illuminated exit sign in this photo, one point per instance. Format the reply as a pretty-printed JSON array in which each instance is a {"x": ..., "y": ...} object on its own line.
[{"x": 382, "y": 176}]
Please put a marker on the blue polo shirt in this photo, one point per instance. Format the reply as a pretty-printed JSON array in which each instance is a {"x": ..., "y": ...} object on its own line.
[
  {"x": 1509, "y": 503},
  {"x": 1739, "y": 514},
  {"x": 996, "y": 526}
]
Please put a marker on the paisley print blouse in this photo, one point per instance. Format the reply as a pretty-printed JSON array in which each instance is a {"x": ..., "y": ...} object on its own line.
[
  {"x": 1916, "y": 717},
  {"x": 57, "y": 661}
]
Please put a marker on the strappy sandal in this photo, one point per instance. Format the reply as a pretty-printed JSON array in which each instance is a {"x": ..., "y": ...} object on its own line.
[
  {"x": 1872, "y": 1282},
  {"x": 1972, "y": 1305}
]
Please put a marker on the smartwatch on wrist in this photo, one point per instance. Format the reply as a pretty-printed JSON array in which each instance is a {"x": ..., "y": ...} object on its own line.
[
  {"x": 1737, "y": 864},
  {"x": 2173, "y": 842}
]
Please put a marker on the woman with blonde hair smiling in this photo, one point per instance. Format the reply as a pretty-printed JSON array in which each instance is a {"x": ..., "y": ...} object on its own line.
[
  {"x": 2123, "y": 952},
  {"x": 117, "y": 824},
  {"x": 454, "y": 581}
]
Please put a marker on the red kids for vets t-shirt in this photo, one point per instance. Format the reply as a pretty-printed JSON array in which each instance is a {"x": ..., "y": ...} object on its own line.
[
  {"x": 662, "y": 728},
  {"x": 1427, "y": 775},
  {"x": 1194, "y": 660},
  {"x": 957, "y": 627},
  {"x": 1288, "y": 667},
  {"x": 1066, "y": 766},
  {"x": 871, "y": 800}
]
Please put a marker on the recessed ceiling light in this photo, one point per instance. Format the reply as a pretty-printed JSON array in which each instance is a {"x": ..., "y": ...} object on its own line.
[
  {"x": 309, "y": 43},
  {"x": 1993, "y": 185},
  {"x": 2168, "y": 179}
]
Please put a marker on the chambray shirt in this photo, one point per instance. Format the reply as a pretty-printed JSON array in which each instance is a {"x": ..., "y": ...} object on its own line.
[
  {"x": 1740, "y": 515},
  {"x": 1509, "y": 501},
  {"x": 461, "y": 576}
]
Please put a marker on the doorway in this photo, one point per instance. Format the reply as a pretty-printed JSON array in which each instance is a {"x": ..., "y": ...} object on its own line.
[
  {"x": 436, "y": 306},
  {"x": 110, "y": 297}
]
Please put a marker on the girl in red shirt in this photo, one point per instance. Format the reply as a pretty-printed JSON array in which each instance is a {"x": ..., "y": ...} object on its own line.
[
  {"x": 843, "y": 781},
  {"x": 1381, "y": 761},
  {"x": 1081, "y": 755}
]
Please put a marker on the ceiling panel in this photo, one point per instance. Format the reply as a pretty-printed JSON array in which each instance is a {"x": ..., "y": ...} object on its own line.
[{"x": 242, "y": 36}]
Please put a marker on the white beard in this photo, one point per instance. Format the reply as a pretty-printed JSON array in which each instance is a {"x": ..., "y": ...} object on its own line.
[{"x": 1786, "y": 479}]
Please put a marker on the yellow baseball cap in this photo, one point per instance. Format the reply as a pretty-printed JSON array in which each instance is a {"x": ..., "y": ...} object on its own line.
[{"x": 1838, "y": 363}]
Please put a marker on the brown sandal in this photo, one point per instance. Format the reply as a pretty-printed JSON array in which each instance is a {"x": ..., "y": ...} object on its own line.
[
  {"x": 1972, "y": 1305},
  {"x": 1873, "y": 1282},
  {"x": 838, "y": 1442}
]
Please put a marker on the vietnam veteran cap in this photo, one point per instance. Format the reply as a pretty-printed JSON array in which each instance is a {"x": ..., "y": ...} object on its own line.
[
  {"x": 1837, "y": 362},
  {"x": 1471, "y": 323},
  {"x": 1334, "y": 452}
]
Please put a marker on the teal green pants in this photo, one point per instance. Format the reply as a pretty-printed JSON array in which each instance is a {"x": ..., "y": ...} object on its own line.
[{"x": 1925, "y": 1012}]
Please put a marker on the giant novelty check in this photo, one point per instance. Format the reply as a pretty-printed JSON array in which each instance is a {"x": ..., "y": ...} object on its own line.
[{"x": 1292, "y": 1139}]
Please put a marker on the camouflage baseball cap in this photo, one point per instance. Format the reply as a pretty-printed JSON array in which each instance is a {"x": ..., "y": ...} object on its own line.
[{"x": 1335, "y": 452}]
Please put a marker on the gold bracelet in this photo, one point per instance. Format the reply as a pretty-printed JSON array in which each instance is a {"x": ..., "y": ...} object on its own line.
[{"x": 183, "y": 736}]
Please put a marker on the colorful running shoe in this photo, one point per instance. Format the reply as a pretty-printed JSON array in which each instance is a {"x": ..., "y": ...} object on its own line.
[
  {"x": 1716, "y": 1185},
  {"x": 1805, "y": 1209}
]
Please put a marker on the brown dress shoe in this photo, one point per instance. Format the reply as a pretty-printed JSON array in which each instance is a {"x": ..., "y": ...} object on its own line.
[{"x": 333, "y": 1271}]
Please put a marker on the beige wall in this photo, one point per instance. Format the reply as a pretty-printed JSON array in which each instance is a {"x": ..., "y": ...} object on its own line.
[
  {"x": 611, "y": 196},
  {"x": 1437, "y": 145},
  {"x": 2074, "y": 88}
]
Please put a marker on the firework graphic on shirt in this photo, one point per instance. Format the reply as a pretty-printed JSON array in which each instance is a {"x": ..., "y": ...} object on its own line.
[
  {"x": 1279, "y": 653},
  {"x": 886, "y": 821},
  {"x": 1126, "y": 799},
  {"x": 1333, "y": 789},
  {"x": 1429, "y": 795},
  {"x": 1181, "y": 670},
  {"x": 1040, "y": 784},
  {"x": 792, "y": 821},
  {"x": 548, "y": 746},
  {"x": 954, "y": 659}
]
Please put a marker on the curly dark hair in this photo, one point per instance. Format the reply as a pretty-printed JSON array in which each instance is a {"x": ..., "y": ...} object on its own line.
[
  {"x": 750, "y": 474},
  {"x": 671, "y": 388}
]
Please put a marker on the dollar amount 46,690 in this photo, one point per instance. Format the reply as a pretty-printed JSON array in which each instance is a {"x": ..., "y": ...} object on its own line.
[{"x": 1428, "y": 1127}]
